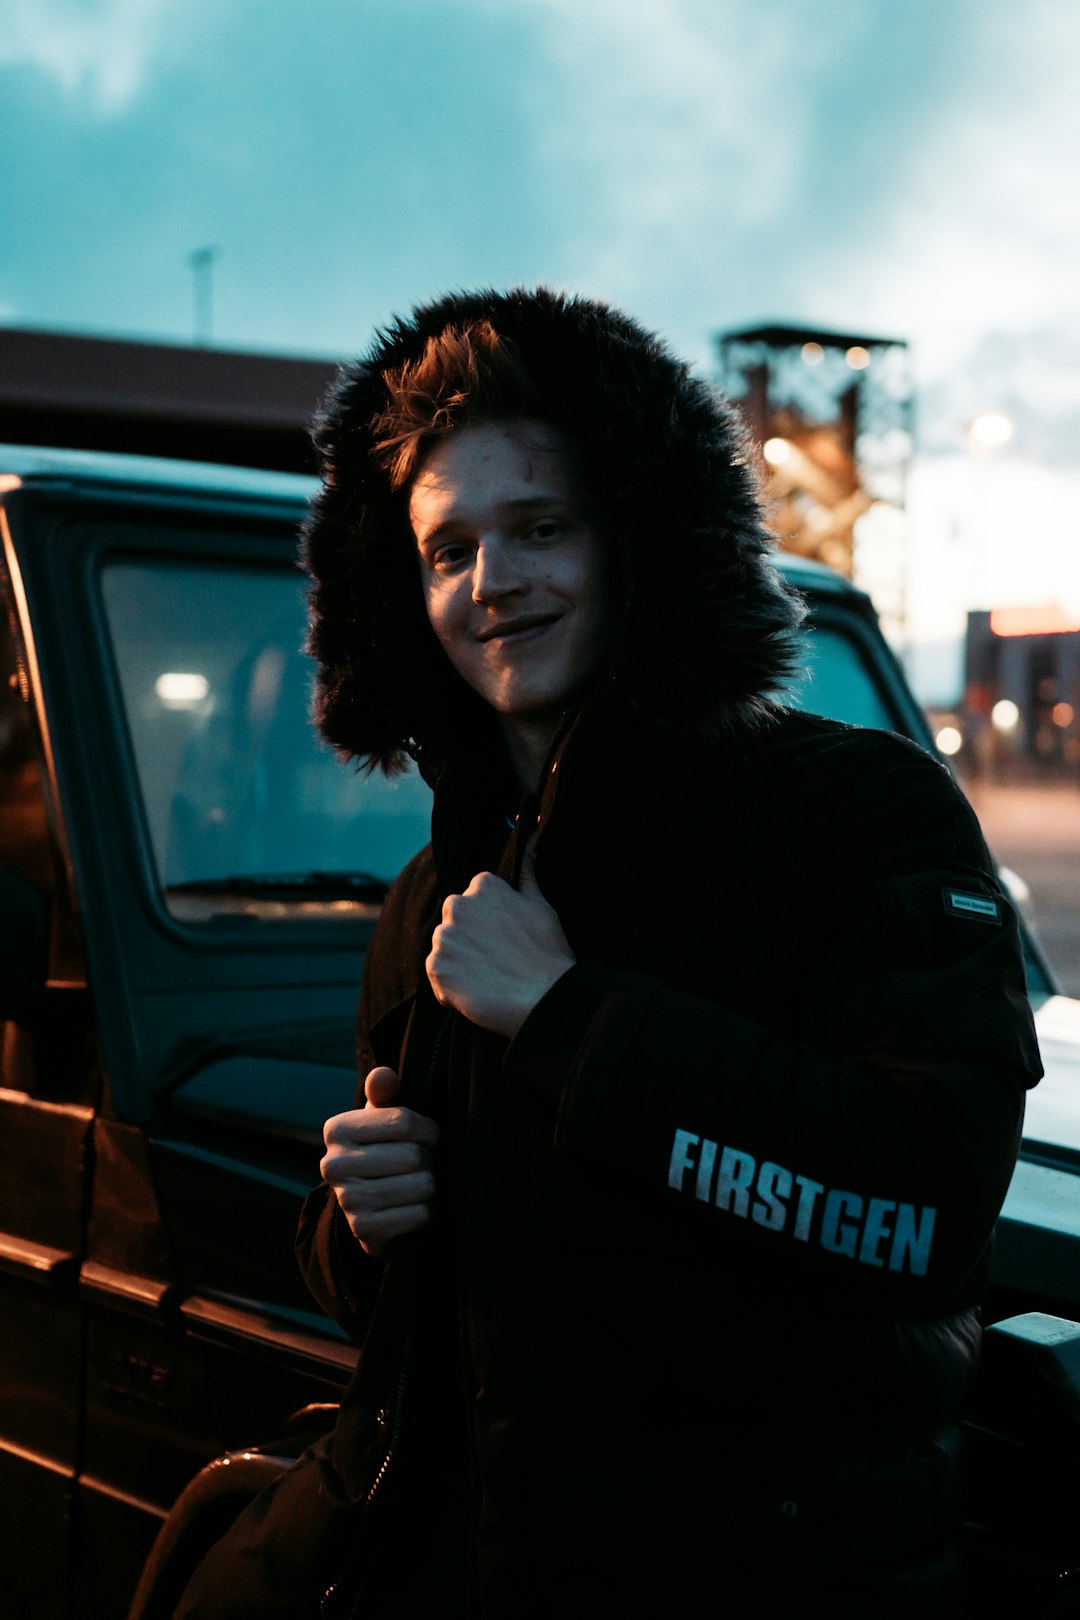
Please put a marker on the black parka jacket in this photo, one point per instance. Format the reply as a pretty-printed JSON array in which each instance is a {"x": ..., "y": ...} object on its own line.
[
  {"x": 699, "y": 1290},
  {"x": 712, "y": 1229}
]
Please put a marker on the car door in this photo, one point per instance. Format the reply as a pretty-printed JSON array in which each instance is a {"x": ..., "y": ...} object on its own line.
[{"x": 227, "y": 874}]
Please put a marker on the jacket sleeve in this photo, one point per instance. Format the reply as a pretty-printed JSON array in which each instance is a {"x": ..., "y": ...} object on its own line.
[
  {"x": 870, "y": 1132},
  {"x": 343, "y": 1278}
]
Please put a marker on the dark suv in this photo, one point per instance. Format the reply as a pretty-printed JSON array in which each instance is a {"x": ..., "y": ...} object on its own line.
[{"x": 188, "y": 880}]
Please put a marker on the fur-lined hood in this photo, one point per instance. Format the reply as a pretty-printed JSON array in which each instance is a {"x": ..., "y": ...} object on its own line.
[{"x": 708, "y": 626}]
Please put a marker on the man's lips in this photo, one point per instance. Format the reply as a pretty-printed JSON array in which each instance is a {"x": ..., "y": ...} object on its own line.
[{"x": 518, "y": 629}]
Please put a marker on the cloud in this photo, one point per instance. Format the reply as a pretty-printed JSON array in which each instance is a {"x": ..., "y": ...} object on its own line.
[
  {"x": 657, "y": 111},
  {"x": 983, "y": 233},
  {"x": 909, "y": 171},
  {"x": 1032, "y": 375},
  {"x": 978, "y": 263},
  {"x": 720, "y": 162},
  {"x": 98, "y": 51}
]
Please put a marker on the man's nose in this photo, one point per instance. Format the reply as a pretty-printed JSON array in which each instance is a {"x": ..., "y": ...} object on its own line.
[{"x": 496, "y": 572}]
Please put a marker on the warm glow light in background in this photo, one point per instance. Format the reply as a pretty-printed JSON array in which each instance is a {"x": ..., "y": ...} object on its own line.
[
  {"x": 1005, "y": 715},
  {"x": 1048, "y": 620},
  {"x": 776, "y": 452}
]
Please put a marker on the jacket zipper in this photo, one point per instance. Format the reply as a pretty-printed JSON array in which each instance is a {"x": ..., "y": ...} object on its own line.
[
  {"x": 528, "y": 819},
  {"x": 331, "y": 1591},
  {"x": 532, "y": 810}
]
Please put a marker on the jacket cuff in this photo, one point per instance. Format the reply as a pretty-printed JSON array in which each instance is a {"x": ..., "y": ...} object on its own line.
[{"x": 542, "y": 1053}]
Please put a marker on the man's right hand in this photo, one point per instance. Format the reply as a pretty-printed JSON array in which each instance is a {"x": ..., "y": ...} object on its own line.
[{"x": 378, "y": 1161}]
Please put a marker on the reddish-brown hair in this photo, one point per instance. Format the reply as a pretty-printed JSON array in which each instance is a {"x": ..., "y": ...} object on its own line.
[{"x": 465, "y": 374}]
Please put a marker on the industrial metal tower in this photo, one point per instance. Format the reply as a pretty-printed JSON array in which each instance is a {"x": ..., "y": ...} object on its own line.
[{"x": 832, "y": 415}]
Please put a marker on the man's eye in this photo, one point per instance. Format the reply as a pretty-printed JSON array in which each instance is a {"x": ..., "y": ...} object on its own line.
[
  {"x": 448, "y": 558},
  {"x": 546, "y": 529}
]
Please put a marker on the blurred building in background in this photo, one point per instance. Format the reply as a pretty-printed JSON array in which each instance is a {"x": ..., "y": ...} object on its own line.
[{"x": 1020, "y": 716}]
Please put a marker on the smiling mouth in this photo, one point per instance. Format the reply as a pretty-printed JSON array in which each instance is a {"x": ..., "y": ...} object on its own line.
[{"x": 521, "y": 629}]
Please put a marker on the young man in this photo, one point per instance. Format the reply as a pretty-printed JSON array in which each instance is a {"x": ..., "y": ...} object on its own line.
[{"x": 687, "y": 1101}]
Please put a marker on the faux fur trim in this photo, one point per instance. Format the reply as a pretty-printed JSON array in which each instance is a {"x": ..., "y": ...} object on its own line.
[{"x": 709, "y": 626}]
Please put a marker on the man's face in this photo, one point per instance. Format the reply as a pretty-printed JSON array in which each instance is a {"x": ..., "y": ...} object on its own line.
[{"x": 513, "y": 575}]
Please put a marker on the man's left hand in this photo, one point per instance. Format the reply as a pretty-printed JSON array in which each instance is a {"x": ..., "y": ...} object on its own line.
[{"x": 497, "y": 951}]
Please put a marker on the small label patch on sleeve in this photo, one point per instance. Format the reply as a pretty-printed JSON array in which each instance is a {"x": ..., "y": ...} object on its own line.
[{"x": 977, "y": 907}]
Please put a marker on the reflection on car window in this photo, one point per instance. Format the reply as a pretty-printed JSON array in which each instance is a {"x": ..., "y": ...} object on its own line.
[
  {"x": 235, "y": 782},
  {"x": 835, "y": 680}
]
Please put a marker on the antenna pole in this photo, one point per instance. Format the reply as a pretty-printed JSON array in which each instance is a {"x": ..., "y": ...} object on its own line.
[{"x": 201, "y": 265}]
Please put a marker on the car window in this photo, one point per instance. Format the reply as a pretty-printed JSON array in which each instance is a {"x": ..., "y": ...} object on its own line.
[
  {"x": 244, "y": 806},
  {"x": 836, "y": 680}
]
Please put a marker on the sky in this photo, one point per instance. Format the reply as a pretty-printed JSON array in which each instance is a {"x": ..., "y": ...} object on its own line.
[{"x": 905, "y": 168}]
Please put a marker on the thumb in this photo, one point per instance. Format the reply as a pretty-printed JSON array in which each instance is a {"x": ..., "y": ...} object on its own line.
[{"x": 381, "y": 1087}]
